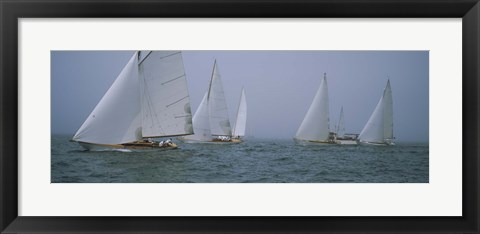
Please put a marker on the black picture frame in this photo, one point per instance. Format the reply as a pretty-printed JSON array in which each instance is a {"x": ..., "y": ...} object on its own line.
[{"x": 11, "y": 11}]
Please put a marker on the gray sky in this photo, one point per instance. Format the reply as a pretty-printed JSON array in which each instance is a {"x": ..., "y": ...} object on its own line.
[{"x": 280, "y": 86}]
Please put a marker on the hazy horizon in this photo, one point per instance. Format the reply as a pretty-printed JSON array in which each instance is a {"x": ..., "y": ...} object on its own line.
[{"x": 279, "y": 85}]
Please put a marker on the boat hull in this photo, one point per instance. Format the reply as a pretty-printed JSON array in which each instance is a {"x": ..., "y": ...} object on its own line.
[
  {"x": 311, "y": 142},
  {"x": 346, "y": 142},
  {"x": 376, "y": 143},
  {"x": 231, "y": 141},
  {"x": 236, "y": 140},
  {"x": 126, "y": 146}
]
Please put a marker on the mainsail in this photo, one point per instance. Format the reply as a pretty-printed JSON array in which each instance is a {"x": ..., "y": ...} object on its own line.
[
  {"x": 148, "y": 99},
  {"x": 379, "y": 128},
  {"x": 217, "y": 106},
  {"x": 316, "y": 124},
  {"x": 241, "y": 121},
  {"x": 341, "y": 125},
  {"x": 165, "y": 101}
]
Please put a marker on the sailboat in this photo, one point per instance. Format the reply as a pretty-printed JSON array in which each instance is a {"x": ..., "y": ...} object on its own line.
[
  {"x": 379, "y": 128},
  {"x": 315, "y": 127},
  {"x": 149, "y": 99},
  {"x": 241, "y": 121},
  {"x": 341, "y": 137},
  {"x": 211, "y": 122}
]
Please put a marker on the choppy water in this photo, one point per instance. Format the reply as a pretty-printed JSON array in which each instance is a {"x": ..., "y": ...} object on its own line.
[{"x": 254, "y": 161}]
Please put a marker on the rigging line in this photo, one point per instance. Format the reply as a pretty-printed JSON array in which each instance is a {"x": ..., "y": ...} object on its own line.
[
  {"x": 151, "y": 109},
  {"x": 176, "y": 101},
  {"x": 170, "y": 55},
  {"x": 182, "y": 116},
  {"x": 146, "y": 97},
  {"x": 145, "y": 57},
  {"x": 173, "y": 79}
]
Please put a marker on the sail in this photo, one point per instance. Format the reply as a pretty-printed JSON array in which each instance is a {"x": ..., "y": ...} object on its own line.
[
  {"x": 388, "y": 112},
  {"x": 341, "y": 125},
  {"x": 241, "y": 121},
  {"x": 217, "y": 106},
  {"x": 164, "y": 94},
  {"x": 379, "y": 128},
  {"x": 315, "y": 125},
  {"x": 201, "y": 122},
  {"x": 116, "y": 118}
]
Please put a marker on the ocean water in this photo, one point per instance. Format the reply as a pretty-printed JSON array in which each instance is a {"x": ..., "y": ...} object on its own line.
[{"x": 253, "y": 161}]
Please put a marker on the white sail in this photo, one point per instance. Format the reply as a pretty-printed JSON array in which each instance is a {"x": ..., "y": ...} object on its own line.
[
  {"x": 341, "y": 125},
  {"x": 164, "y": 94},
  {"x": 217, "y": 106},
  {"x": 316, "y": 124},
  {"x": 241, "y": 121},
  {"x": 115, "y": 119},
  {"x": 201, "y": 123},
  {"x": 379, "y": 128}
]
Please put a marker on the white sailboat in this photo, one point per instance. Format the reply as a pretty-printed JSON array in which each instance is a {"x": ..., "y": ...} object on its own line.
[
  {"x": 241, "y": 121},
  {"x": 341, "y": 137},
  {"x": 211, "y": 122},
  {"x": 379, "y": 128},
  {"x": 148, "y": 99},
  {"x": 315, "y": 127}
]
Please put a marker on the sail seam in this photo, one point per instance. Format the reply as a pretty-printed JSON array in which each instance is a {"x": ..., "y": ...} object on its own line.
[
  {"x": 170, "y": 55},
  {"x": 173, "y": 79},
  {"x": 177, "y": 101},
  {"x": 182, "y": 116}
]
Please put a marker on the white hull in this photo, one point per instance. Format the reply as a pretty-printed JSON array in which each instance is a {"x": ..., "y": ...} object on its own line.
[
  {"x": 310, "y": 142},
  {"x": 346, "y": 142},
  {"x": 376, "y": 143},
  {"x": 232, "y": 141}
]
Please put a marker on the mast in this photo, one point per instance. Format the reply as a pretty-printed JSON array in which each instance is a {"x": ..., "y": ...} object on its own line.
[{"x": 211, "y": 78}]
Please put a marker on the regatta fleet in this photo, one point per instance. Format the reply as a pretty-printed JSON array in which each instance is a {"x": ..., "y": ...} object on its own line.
[{"x": 149, "y": 100}]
